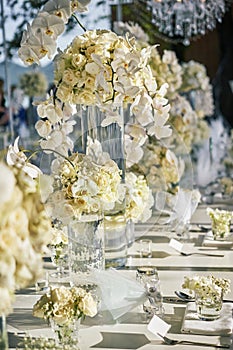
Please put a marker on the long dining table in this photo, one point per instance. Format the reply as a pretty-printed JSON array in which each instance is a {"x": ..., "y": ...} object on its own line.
[{"x": 131, "y": 331}]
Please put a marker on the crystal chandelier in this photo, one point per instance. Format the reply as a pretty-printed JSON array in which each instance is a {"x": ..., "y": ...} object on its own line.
[{"x": 182, "y": 20}]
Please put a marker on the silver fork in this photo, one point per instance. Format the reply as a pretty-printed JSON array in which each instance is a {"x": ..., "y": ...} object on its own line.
[
  {"x": 199, "y": 253},
  {"x": 169, "y": 341}
]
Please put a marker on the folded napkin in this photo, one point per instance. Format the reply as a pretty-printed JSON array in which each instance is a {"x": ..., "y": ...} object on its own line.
[
  {"x": 209, "y": 241},
  {"x": 217, "y": 244},
  {"x": 221, "y": 326}
]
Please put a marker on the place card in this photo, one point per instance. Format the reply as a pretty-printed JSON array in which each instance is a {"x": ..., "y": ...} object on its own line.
[
  {"x": 158, "y": 326},
  {"x": 176, "y": 245}
]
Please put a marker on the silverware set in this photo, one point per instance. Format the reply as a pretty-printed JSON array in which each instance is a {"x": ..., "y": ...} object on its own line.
[{"x": 170, "y": 341}]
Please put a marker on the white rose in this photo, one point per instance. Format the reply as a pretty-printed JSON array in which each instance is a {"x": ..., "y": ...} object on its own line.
[
  {"x": 88, "y": 305},
  {"x": 92, "y": 68},
  {"x": 59, "y": 295},
  {"x": 85, "y": 97},
  {"x": 69, "y": 77}
]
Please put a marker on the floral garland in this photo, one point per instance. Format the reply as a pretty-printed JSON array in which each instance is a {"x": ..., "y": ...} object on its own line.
[{"x": 24, "y": 226}]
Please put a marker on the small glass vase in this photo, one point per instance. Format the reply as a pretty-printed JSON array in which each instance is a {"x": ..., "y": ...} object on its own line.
[
  {"x": 3, "y": 333},
  {"x": 208, "y": 308},
  {"x": 66, "y": 334},
  {"x": 86, "y": 246}
]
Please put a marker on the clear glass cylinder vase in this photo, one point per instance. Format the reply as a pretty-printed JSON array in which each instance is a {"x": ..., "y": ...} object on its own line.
[
  {"x": 66, "y": 334},
  {"x": 111, "y": 138},
  {"x": 208, "y": 308},
  {"x": 3, "y": 333},
  {"x": 86, "y": 246}
]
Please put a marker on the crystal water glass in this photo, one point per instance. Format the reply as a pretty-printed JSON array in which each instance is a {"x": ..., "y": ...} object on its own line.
[{"x": 148, "y": 276}]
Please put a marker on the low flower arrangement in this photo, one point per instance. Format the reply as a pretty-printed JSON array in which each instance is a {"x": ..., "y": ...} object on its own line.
[
  {"x": 64, "y": 304},
  {"x": 207, "y": 286},
  {"x": 62, "y": 307},
  {"x": 221, "y": 221},
  {"x": 25, "y": 229}
]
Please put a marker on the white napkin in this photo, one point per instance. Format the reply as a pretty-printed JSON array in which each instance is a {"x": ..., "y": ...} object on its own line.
[
  {"x": 209, "y": 241},
  {"x": 221, "y": 326}
]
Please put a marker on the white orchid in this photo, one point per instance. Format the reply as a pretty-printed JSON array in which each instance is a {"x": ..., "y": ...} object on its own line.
[
  {"x": 59, "y": 8},
  {"x": 17, "y": 158},
  {"x": 133, "y": 150},
  {"x": 139, "y": 198},
  {"x": 50, "y": 25}
]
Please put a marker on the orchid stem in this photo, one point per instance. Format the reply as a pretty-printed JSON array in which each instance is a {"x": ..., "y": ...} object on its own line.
[
  {"x": 76, "y": 18},
  {"x": 49, "y": 150}
]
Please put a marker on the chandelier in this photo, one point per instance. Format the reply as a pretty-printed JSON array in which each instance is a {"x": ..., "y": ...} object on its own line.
[
  {"x": 179, "y": 20},
  {"x": 182, "y": 20}
]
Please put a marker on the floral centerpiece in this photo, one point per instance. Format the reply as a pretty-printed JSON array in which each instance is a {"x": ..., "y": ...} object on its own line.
[
  {"x": 226, "y": 186},
  {"x": 221, "y": 222},
  {"x": 209, "y": 291},
  {"x": 189, "y": 92},
  {"x": 63, "y": 306},
  {"x": 162, "y": 169},
  {"x": 79, "y": 191},
  {"x": 197, "y": 82},
  {"x": 25, "y": 228},
  {"x": 98, "y": 68},
  {"x": 83, "y": 184}
]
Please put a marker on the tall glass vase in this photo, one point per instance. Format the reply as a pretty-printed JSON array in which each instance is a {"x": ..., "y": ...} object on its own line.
[
  {"x": 3, "y": 333},
  {"x": 86, "y": 246},
  {"x": 111, "y": 138}
]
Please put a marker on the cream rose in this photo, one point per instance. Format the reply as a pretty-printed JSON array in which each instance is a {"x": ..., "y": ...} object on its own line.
[{"x": 88, "y": 305}]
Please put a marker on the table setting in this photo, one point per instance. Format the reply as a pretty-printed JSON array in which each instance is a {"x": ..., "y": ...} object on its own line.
[{"x": 112, "y": 237}]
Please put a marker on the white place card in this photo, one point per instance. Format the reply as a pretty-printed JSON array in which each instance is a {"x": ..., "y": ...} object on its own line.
[
  {"x": 157, "y": 325},
  {"x": 176, "y": 245}
]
